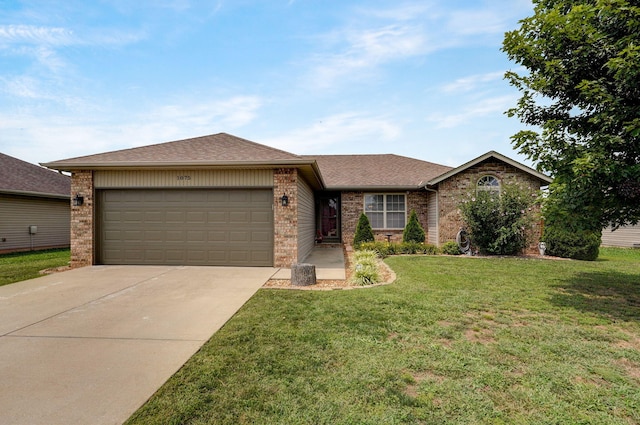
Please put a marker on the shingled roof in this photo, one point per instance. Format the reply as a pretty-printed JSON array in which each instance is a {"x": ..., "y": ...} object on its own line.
[
  {"x": 22, "y": 178},
  {"x": 216, "y": 149},
  {"x": 385, "y": 171}
]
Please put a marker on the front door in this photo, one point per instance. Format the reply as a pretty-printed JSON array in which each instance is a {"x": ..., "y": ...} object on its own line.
[{"x": 329, "y": 219}]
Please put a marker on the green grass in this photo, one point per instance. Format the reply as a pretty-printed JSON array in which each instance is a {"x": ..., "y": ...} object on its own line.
[
  {"x": 455, "y": 340},
  {"x": 27, "y": 265}
]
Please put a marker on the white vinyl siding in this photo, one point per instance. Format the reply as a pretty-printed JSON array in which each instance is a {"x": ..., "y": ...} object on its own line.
[{"x": 386, "y": 210}]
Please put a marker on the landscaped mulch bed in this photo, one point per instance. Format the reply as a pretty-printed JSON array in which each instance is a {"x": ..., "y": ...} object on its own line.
[{"x": 387, "y": 276}]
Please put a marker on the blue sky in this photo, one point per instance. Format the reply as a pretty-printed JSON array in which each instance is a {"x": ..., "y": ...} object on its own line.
[{"x": 417, "y": 78}]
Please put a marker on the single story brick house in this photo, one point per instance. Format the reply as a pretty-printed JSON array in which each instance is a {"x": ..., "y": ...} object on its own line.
[
  {"x": 223, "y": 200},
  {"x": 34, "y": 207}
]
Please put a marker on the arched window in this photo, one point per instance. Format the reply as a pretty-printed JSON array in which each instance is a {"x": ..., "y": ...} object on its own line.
[{"x": 489, "y": 184}]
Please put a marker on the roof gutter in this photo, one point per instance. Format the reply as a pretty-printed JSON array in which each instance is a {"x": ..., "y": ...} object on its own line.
[
  {"x": 121, "y": 165},
  {"x": 35, "y": 194}
]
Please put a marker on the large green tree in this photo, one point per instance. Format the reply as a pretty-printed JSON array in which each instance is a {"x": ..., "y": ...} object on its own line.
[{"x": 581, "y": 90}]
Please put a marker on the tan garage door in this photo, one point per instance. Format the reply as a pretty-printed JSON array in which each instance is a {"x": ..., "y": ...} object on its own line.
[{"x": 185, "y": 227}]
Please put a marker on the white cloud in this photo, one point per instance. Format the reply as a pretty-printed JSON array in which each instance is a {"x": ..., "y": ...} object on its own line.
[
  {"x": 477, "y": 22},
  {"x": 234, "y": 112},
  {"x": 376, "y": 37},
  {"x": 402, "y": 12},
  {"x": 364, "y": 51},
  {"x": 340, "y": 130},
  {"x": 36, "y": 35},
  {"x": 471, "y": 82},
  {"x": 482, "y": 108},
  {"x": 60, "y": 136}
]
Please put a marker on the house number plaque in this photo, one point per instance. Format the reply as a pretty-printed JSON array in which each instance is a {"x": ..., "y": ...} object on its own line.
[{"x": 184, "y": 178}]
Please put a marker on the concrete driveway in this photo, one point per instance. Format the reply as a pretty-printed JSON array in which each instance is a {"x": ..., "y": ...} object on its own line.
[{"x": 90, "y": 346}]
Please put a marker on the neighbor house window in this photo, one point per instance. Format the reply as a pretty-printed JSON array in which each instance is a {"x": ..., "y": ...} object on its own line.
[
  {"x": 489, "y": 184},
  {"x": 385, "y": 211}
]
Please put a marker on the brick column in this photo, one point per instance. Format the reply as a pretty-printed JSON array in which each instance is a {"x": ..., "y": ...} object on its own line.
[
  {"x": 352, "y": 205},
  {"x": 82, "y": 220},
  {"x": 285, "y": 240}
]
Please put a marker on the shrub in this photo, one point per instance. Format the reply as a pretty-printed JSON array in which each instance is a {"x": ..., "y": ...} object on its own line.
[
  {"x": 364, "y": 232},
  {"x": 576, "y": 244},
  {"x": 384, "y": 249},
  {"x": 566, "y": 234},
  {"x": 497, "y": 223},
  {"x": 365, "y": 268},
  {"x": 450, "y": 248},
  {"x": 413, "y": 231}
]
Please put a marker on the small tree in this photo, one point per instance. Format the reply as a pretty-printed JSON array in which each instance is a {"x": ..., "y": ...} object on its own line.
[
  {"x": 364, "y": 232},
  {"x": 580, "y": 62},
  {"x": 566, "y": 234},
  {"x": 413, "y": 231},
  {"x": 497, "y": 223}
]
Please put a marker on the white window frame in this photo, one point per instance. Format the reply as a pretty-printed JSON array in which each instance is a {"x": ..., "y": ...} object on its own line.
[
  {"x": 494, "y": 189},
  {"x": 384, "y": 211}
]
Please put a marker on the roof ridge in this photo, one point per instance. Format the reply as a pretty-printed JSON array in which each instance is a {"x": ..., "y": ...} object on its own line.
[{"x": 154, "y": 145}]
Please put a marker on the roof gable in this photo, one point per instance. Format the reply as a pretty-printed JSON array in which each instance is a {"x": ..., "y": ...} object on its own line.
[
  {"x": 491, "y": 154},
  {"x": 385, "y": 171},
  {"x": 216, "y": 149},
  {"x": 23, "y": 178}
]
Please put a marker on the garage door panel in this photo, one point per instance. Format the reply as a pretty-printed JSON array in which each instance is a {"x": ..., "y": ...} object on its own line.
[
  {"x": 174, "y": 196},
  {"x": 258, "y": 236},
  {"x": 175, "y": 236},
  {"x": 239, "y": 256},
  {"x": 259, "y": 256},
  {"x": 239, "y": 237},
  {"x": 217, "y": 236},
  {"x": 196, "y": 236},
  {"x": 197, "y": 217},
  {"x": 240, "y": 217},
  {"x": 196, "y": 227},
  {"x": 133, "y": 235},
  {"x": 217, "y": 217},
  {"x": 262, "y": 196},
  {"x": 174, "y": 217},
  {"x": 153, "y": 216},
  {"x": 261, "y": 217}
]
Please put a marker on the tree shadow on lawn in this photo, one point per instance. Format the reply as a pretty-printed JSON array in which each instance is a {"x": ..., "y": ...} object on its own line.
[{"x": 610, "y": 294}]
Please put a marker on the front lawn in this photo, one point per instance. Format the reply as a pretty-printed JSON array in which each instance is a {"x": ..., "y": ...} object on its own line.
[
  {"x": 27, "y": 265},
  {"x": 453, "y": 340}
]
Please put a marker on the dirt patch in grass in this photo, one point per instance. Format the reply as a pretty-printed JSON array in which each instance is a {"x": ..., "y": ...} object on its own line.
[
  {"x": 481, "y": 336},
  {"x": 418, "y": 378},
  {"x": 632, "y": 369}
]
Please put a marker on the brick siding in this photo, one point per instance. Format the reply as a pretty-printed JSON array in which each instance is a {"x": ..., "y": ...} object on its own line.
[
  {"x": 353, "y": 206},
  {"x": 285, "y": 238},
  {"x": 452, "y": 191},
  {"x": 82, "y": 226}
]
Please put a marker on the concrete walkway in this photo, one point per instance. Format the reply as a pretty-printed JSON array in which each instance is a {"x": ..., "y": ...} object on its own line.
[
  {"x": 329, "y": 262},
  {"x": 90, "y": 346}
]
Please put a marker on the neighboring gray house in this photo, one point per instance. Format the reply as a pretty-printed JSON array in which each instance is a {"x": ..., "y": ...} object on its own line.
[
  {"x": 35, "y": 207},
  {"x": 625, "y": 237}
]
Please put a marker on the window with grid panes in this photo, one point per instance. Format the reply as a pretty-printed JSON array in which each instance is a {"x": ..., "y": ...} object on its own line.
[{"x": 385, "y": 211}]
